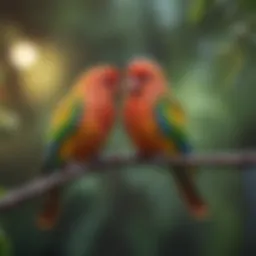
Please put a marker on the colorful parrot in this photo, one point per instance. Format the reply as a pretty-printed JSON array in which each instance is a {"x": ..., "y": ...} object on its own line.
[
  {"x": 79, "y": 128},
  {"x": 155, "y": 122}
]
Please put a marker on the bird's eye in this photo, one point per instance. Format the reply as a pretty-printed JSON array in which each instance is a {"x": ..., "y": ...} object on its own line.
[
  {"x": 109, "y": 80},
  {"x": 143, "y": 77}
]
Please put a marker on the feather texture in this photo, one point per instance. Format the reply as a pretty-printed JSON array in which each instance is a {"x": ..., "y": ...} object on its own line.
[
  {"x": 156, "y": 124},
  {"x": 78, "y": 130},
  {"x": 170, "y": 119},
  {"x": 65, "y": 123}
]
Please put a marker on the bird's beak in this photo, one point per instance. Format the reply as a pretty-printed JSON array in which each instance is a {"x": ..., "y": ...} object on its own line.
[{"x": 132, "y": 85}]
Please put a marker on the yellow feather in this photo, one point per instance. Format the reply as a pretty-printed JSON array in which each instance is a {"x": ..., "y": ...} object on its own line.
[
  {"x": 60, "y": 115},
  {"x": 176, "y": 114}
]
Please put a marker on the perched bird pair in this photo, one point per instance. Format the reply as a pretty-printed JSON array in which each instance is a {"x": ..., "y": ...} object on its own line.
[{"x": 153, "y": 118}]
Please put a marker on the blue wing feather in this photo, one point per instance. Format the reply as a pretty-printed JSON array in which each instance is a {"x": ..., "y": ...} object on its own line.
[{"x": 170, "y": 126}]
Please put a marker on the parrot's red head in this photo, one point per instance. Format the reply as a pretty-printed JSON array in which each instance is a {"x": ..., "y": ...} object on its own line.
[
  {"x": 103, "y": 79},
  {"x": 106, "y": 78},
  {"x": 144, "y": 77}
]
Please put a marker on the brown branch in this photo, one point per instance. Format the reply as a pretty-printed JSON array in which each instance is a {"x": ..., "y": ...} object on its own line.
[{"x": 43, "y": 184}]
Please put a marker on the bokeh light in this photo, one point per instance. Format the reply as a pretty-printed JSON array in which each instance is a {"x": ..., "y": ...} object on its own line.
[{"x": 24, "y": 54}]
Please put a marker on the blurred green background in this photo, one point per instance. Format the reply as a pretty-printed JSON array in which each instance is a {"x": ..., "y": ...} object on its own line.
[{"x": 207, "y": 48}]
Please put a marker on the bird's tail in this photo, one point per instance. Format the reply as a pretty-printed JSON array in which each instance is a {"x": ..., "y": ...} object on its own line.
[
  {"x": 51, "y": 209},
  {"x": 189, "y": 192}
]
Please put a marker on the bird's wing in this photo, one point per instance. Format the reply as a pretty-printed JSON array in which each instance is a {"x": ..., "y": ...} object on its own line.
[
  {"x": 64, "y": 123},
  {"x": 171, "y": 121}
]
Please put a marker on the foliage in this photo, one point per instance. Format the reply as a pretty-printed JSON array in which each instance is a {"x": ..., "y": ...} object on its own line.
[{"x": 208, "y": 51}]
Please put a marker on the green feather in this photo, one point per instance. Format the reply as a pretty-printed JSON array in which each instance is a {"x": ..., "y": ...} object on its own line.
[
  {"x": 169, "y": 125},
  {"x": 60, "y": 133}
]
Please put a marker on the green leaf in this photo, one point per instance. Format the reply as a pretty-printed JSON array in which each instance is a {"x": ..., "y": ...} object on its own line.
[
  {"x": 229, "y": 64},
  {"x": 2, "y": 191},
  {"x": 248, "y": 5},
  {"x": 5, "y": 245},
  {"x": 196, "y": 11}
]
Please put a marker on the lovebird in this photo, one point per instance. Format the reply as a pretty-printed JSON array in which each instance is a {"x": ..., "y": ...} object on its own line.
[
  {"x": 156, "y": 122},
  {"x": 78, "y": 129}
]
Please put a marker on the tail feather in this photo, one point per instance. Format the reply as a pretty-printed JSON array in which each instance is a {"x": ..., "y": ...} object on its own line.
[
  {"x": 190, "y": 193},
  {"x": 50, "y": 212}
]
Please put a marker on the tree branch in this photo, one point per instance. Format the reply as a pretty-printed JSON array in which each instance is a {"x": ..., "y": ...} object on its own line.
[{"x": 41, "y": 185}]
